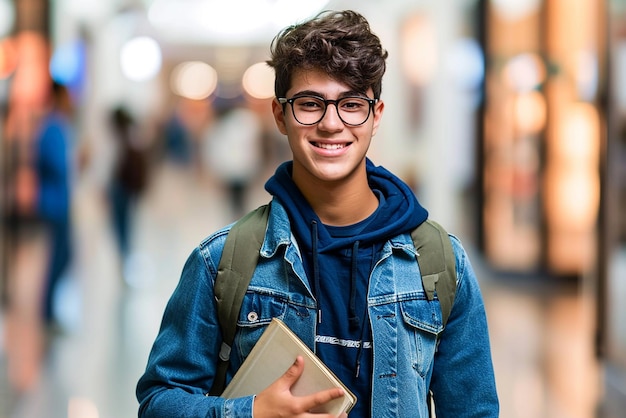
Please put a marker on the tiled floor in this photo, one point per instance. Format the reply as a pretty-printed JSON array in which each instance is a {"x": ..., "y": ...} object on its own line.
[{"x": 541, "y": 334}]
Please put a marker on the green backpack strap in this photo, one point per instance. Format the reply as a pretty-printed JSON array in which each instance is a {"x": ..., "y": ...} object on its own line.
[
  {"x": 437, "y": 264},
  {"x": 234, "y": 272}
]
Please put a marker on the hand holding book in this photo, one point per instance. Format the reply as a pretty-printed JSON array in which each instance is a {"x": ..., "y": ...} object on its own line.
[
  {"x": 285, "y": 375},
  {"x": 278, "y": 396}
]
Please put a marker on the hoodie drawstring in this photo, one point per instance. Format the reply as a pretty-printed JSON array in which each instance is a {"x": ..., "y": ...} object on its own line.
[
  {"x": 316, "y": 273},
  {"x": 357, "y": 366},
  {"x": 354, "y": 318}
]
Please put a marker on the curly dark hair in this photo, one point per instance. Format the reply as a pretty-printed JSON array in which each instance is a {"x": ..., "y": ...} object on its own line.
[{"x": 340, "y": 44}]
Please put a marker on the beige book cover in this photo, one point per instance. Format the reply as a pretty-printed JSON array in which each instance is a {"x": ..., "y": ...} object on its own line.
[{"x": 270, "y": 358}]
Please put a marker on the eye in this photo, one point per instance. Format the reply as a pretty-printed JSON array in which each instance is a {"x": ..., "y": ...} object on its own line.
[
  {"x": 353, "y": 104},
  {"x": 309, "y": 103}
]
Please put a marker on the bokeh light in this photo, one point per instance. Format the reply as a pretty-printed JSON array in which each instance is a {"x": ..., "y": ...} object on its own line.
[
  {"x": 515, "y": 9},
  {"x": 524, "y": 72},
  {"x": 465, "y": 63},
  {"x": 194, "y": 80},
  {"x": 258, "y": 81},
  {"x": 140, "y": 58},
  {"x": 530, "y": 112},
  {"x": 67, "y": 64}
]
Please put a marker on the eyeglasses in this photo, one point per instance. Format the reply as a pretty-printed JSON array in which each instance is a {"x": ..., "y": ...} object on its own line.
[{"x": 309, "y": 110}]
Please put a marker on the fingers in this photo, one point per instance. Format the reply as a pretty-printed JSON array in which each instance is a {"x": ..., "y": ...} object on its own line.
[
  {"x": 278, "y": 396},
  {"x": 313, "y": 401}
]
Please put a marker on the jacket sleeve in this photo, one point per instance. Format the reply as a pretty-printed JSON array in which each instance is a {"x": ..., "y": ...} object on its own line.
[
  {"x": 182, "y": 362},
  {"x": 463, "y": 381}
]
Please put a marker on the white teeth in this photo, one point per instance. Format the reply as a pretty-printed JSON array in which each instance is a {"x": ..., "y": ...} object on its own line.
[{"x": 330, "y": 146}]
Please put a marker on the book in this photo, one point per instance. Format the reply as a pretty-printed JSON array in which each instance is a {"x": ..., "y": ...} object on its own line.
[{"x": 270, "y": 358}]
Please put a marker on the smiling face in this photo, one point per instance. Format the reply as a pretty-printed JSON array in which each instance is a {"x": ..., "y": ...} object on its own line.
[{"x": 329, "y": 152}]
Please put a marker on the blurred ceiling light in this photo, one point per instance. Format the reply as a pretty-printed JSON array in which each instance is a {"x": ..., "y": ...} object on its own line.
[
  {"x": 140, "y": 58},
  {"x": 419, "y": 50},
  {"x": 258, "y": 81},
  {"x": 524, "y": 72},
  {"x": 194, "y": 80},
  {"x": 515, "y": 9},
  {"x": 227, "y": 22},
  {"x": 7, "y": 17},
  {"x": 8, "y": 57}
]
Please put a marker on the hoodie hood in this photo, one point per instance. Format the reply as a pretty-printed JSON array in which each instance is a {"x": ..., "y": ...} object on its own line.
[{"x": 398, "y": 211}]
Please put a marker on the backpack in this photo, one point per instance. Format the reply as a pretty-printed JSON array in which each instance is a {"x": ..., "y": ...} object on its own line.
[{"x": 241, "y": 253}]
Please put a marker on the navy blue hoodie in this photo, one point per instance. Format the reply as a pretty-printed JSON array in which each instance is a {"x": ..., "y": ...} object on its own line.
[{"x": 338, "y": 262}]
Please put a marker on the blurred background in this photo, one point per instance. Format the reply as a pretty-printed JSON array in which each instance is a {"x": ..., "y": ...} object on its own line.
[{"x": 131, "y": 129}]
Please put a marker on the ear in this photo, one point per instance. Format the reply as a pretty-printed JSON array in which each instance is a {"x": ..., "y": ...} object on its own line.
[
  {"x": 279, "y": 116},
  {"x": 379, "y": 108}
]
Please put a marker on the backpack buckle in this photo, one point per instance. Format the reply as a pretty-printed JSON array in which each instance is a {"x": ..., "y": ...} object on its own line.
[{"x": 225, "y": 352}]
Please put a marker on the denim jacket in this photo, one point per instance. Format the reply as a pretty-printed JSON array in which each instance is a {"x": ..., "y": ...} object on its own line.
[{"x": 412, "y": 351}]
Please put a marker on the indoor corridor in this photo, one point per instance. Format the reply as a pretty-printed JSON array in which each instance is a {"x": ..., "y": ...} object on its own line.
[{"x": 542, "y": 334}]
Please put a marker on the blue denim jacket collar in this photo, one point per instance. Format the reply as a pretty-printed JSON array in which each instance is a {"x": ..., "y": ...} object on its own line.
[{"x": 279, "y": 233}]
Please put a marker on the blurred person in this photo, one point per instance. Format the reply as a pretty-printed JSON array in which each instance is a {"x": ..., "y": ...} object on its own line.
[
  {"x": 129, "y": 177},
  {"x": 177, "y": 139},
  {"x": 182, "y": 132},
  {"x": 337, "y": 264},
  {"x": 233, "y": 153},
  {"x": 52, "y": 162}
]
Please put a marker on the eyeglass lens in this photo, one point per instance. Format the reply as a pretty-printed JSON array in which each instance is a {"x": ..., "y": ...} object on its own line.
[{"x": 309, "y": 110}]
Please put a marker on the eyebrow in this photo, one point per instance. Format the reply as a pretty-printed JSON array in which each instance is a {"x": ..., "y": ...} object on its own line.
[{"x": 350, "y": 93}]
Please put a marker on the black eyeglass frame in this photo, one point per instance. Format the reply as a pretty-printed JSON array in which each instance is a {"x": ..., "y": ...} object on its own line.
[{"x": 372, "y": 102}]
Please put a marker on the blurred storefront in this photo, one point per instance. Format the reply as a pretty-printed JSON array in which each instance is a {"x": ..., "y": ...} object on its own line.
[
  {"x": 542, "y": 137},
  {"x": 553, "y": 157}
]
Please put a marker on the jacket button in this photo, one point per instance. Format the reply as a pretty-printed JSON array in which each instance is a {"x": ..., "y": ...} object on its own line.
[{"x": 253, "y": 316}]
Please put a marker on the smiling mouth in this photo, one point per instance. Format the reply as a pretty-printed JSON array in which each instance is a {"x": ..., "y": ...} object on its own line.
[{"x": 330, "y": 146}]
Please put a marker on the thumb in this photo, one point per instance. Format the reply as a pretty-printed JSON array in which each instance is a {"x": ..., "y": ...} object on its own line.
[{"x": 294, "y": 372}]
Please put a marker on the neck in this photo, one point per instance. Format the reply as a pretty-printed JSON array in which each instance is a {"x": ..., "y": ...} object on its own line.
[{"x": 339, "y": 203}]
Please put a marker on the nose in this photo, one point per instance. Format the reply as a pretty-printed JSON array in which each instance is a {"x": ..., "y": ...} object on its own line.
[{"x": 331, "y": 121}]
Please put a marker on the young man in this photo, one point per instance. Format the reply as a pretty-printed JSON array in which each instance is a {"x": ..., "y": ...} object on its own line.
[{"x": 337, "y": 264}]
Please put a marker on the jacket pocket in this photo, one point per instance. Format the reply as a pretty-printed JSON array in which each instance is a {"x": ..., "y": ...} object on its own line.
[
  {"x": 421, "y": 313},
  {"x": 422, "y": 321},
  {"x": 257, "y": 310}
]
